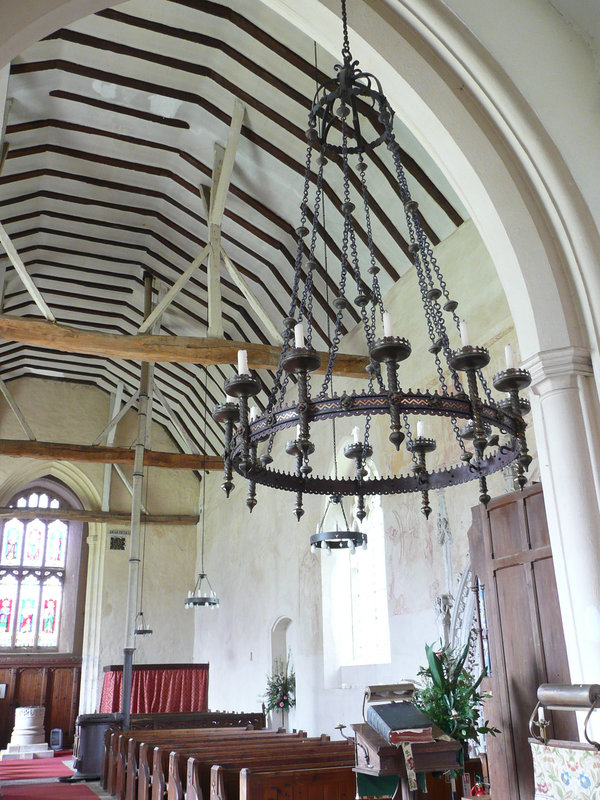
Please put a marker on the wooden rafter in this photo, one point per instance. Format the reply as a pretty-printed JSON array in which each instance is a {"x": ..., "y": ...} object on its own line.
[
  {"x": 98, "y": 454},
  {"x": 175, "y": 349},
  {"x": 25, "y": 277}
]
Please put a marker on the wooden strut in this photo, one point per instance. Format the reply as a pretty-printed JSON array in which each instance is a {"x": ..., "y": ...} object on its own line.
[
  {"x": 176, "y": 349},
  {"x": 98, "y": 454},
  {"x": 79, "y": 515}
]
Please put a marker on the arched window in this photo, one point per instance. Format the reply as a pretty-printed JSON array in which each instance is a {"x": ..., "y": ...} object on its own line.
[
  {"x": 40, "y": 581},
  {"x": 355, "y": 610}
]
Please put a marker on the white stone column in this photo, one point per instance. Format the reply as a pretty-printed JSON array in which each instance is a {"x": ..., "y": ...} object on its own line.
[{"x": 566, "y": 425}]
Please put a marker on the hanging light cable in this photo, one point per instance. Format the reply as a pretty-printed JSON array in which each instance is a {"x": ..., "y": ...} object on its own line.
[
  {"x": 141, "y": 626},
  {"x": 203, "y": 594}
]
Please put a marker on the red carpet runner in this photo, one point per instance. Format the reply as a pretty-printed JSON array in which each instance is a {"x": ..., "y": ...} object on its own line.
[
  {"x": 48, "y": 791},
  {"x": 31, "y": 769}
]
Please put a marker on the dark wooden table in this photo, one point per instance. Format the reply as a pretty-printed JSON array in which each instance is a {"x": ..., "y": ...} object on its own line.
[{"x": 374, "y": 756}]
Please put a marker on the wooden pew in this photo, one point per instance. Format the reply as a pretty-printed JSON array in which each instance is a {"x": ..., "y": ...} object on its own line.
[
  {"x": 332, "y": 783},
  {"x": 141, "y": 754},
  {"x": 119, "y": 748},
  {"x": 169, "y": 767},
  {"x": 201, "y": 774},
  {"x": 192, "y": 720}
]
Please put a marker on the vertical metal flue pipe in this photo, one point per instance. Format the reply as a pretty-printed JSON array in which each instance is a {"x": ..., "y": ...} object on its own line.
[{"x": 136, "y": 517}]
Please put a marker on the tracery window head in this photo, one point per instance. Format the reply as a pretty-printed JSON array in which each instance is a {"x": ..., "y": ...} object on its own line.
[{"x": 32, "y": 573}]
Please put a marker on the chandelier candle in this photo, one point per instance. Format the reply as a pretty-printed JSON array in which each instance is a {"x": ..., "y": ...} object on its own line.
[
  {"x": 242, "y": 360},
  {"x": 349, "y": 119},
  {"x": 508, "y": 355},
  {"x": 387, "y": 324},
  {"x": 299, "y": 335}
]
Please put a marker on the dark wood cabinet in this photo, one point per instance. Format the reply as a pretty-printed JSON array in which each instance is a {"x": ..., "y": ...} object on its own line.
[
  {"x": 49, "y": 681},
  {"x": 511, "y": 556}
]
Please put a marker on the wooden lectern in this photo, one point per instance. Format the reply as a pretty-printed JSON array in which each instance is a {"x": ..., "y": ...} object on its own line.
[{"x": 374, "y": 756}]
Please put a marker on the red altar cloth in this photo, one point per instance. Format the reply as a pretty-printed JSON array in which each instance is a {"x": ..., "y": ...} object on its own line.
[{"x": 158, "y": 688}]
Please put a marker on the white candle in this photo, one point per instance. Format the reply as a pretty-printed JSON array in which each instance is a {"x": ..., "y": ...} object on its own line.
[
  {"x": 387, "y": 324},
  {"x": 299, "y": 335},
  {"x": 355, "y": 434},
  {"x": 253, "y": 413},
  {"x": 464, "y": 333},
  {"x": 420, "y": 428},
  {"x": 541, "y": 717},
  {"x": 229, "y": 398},
  {"x": 508, "y": 355},
  {"x": 298, "y": 431},
  {"x": 243, "y": 362}
]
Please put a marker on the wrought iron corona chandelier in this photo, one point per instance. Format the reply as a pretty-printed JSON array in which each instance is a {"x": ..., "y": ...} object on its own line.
[{"x": 344, "y": 109}]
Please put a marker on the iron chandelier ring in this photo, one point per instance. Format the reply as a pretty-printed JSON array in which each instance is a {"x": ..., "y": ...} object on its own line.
[{"x": 421, "y": 403}]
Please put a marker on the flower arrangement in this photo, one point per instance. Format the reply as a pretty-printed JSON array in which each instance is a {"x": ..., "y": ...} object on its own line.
[
  {"x": 281, "y": 687},
  {"x": 450, "y": 697}
]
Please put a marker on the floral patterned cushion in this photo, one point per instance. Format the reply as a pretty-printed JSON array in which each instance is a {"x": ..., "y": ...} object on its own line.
[{"x": 565, "y": 773}]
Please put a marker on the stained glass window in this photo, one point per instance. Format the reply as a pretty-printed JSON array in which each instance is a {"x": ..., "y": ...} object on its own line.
[
  {"x": 56, "y": 544},
  {"x": 12, "y": 542},
  {"x": 8, "y": 597},
  {"x": 32, "y": 563},
  {"x": 51, "y": 601},
  {"x": 34, "y": 544}
]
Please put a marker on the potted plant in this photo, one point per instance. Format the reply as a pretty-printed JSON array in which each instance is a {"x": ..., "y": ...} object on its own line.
[
  {"x": 449, "y": 695},
  {"x": 281, "y": 687}
]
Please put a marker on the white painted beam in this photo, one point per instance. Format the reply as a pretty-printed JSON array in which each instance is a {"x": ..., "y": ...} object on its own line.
[
  {"x": 5, "y": 104},
  {"x": 213, "y": 275},
  {"x": 220, "y": 187},
  {"x": 190, "y": 447},
  {"x": 160, "y": 308},
  {"x": 24, "y": 275},
  {"x": 117, "y": 399},
  {"x": 127, "y": 484},
  {"x": 252, "y": 299},
  {"x": 2, "y": 285},
  {"x": 16, "y": 411},
  {"x": 115, "y": 420}
]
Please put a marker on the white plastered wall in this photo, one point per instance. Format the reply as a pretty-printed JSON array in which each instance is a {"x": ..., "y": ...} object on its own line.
[{"x": 65, "y": 412}]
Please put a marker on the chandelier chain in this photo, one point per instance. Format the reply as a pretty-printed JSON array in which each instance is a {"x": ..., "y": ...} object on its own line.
[
  {"x": 337, "y": 102},
  {"x": 346, "y": 46}
]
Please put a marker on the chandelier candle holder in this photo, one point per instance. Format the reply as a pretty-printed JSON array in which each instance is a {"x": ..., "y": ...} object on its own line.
[
  {"x": 337, "y": 539},
  {"x": 349, "y": 119},
  {"x": 202, "y": 596},
  {"x": 228, "y": 414},
  {"x": 141, "y": 626},
  {"x": 242, "y": 387}
]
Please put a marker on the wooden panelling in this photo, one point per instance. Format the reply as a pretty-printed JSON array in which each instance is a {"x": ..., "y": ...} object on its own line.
[
  {"x": 536, "y": 521},
  {"x": 506, "y": 534},
  {"x": 49, "y": 682},
  {"x": 511, "y": 556}
]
